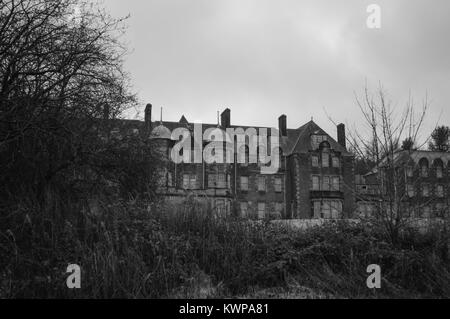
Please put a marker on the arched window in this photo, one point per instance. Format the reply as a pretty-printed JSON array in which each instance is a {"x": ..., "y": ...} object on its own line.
[
  {"x": 439, "y": 167},
  {"x": 424, "y": 165}
]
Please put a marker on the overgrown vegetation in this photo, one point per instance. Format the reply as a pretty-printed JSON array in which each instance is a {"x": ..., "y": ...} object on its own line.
[
  {"x": 74, "y": 193},
  {"x": 131, "y": 251}
]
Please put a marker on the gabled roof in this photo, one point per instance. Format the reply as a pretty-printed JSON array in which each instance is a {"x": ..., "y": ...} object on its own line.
[
  {"x": 303, "y": 143},
  {"x": 183, "y": 120}
]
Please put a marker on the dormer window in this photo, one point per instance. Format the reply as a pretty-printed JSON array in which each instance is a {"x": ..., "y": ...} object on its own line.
[{"x": 316, "y": 140}]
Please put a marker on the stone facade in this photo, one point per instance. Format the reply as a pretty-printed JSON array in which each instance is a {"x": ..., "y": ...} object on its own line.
[
  {"x": 423, "y": 185},
  {"x": 315, "y": 179}
]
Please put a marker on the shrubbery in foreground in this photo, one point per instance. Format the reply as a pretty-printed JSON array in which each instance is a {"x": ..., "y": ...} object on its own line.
[{"x": 132, "y": 251}]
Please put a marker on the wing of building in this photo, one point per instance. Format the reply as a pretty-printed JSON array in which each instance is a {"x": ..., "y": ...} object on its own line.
[{"x": 315, "y": 178}]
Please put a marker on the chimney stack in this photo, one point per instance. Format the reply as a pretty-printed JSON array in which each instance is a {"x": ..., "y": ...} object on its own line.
[
  {"x": 282, "y": 125},
  {"x": 342, "y": 140},
  {"x": 148, "y": 116},
  {"x": 226, "y": 119}
]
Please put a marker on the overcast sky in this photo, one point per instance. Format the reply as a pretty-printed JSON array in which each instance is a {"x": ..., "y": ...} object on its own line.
[{"x": 263, "y": 58}]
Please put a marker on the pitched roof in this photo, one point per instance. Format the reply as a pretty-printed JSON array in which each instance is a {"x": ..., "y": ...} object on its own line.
[
  {"x": 304, "y": 145},
  {"x": 296, "y": 141}
]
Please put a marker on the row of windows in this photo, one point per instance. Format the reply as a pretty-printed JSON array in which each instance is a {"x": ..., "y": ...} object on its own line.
[
  {"x": 262, "y": 184},
  {"x": 370, "y": 209},
  {"x": 262, "y": 209},
  {"x": 425, "y": 171},
  {"x": 327, "y": 209},
  {"x": 324, "y": 160},
  {"x": 190, "y": 181},
  {"x": 326, "y": 183},
  {"x": 425, "y": 190}
]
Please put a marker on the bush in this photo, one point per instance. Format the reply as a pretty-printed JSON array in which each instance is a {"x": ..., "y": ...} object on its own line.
[{"x": 130, "y": 250}]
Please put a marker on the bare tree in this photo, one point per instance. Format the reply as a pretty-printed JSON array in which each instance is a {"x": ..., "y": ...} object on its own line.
[
  {"x": 61, "y": 85},
  {"x": 380, "y": 144}
]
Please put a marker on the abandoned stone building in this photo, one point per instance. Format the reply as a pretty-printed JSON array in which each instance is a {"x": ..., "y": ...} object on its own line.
[
  {"x": 423, "y": 183},
  {"x": 315, "y": 178}
]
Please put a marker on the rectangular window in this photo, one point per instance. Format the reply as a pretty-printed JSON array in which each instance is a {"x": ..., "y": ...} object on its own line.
[
  {"x": 440, "y": 191},
  {"x": 261, "y": 184},
  {"x": 424, "y": 171},
  {"x": 336, "y": 209},
  {"x": 221, "y": 207},
  {"x": 325, "y": 159},
  {"x": 336, "y": 162},
  {"x": 410, "y": 191},
  {"x": 439, "y": 172},
  {"x": 170, "y": 179},
  {"x": 212, "y": 181},
  {"x": 409, "y": 171},
  {"x": 315, "y": 161},
  {"x": 186, "y": 181},
  {"x": 193, "y": 182},
  {"x": 326, "y": 210},
  {"x": 261, "y": 210},
  {"x": 336, "y": 184},
  {"x": 278, "y": 185},
  {"x": 279, "y": 207},
  {"x": 425, "y": 190},
  {"x": 317, "y": 210},
  {"x": 221, "y": 181},
  {"x": 326, "y": 183},
  {"x": 244, "y": 183},
  {"x": 316, "y": 183},
  {"x": 244, "y": 209}
]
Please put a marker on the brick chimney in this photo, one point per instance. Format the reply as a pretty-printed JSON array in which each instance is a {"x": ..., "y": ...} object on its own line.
[
  {"x": 341, "y": 135},
  {"x": 148, "y": 116},
  {"x": 282, "y": 125},
  {"x": 226, "y": 119}
]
